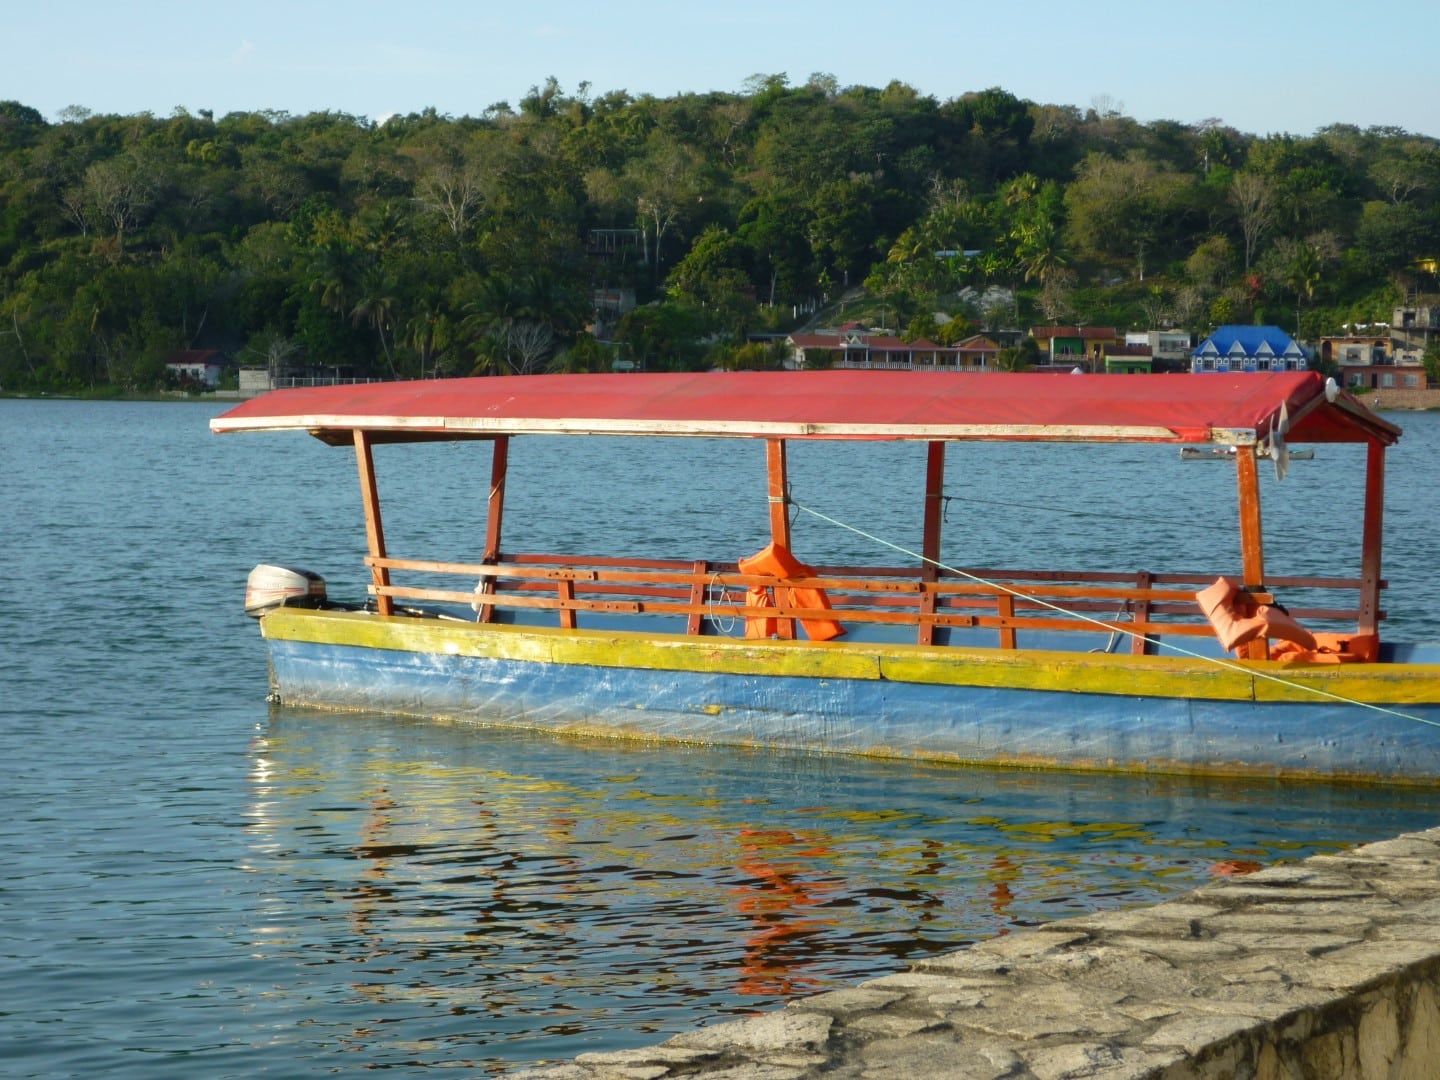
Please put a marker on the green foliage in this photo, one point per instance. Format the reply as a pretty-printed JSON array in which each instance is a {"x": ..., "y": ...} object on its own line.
[
  {"x": 921, "y": 327},
  {"x": 1431, "y": 360},
  {"x": 437, "y": 245},
  {"x": 665, "y": 337},
  {"x": 1019, "y": 357}
]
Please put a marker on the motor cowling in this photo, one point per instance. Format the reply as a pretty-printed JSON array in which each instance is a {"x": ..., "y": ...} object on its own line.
[{"x": 269, "y": 587}]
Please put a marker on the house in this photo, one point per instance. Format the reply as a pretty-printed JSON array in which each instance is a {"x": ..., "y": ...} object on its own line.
[
  {"x": 1415, "y": 328},
  {"x": 255, "y": 380},
  {"x": 192, "y": 367},
  {"x": 1170, "y": 349},
  {"x": 1372, "y": 361},
  {"x": 1128, "y": 359},
  {"x": 856, "y": 347},
  {"x": 609, "y": 306},
  {"x": 1248, "y": 348},
  {"x": 1067, "y": 345},
  {"x": 977, "y": 353}
]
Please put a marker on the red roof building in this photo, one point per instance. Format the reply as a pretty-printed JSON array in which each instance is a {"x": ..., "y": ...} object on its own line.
[{"x": 196, "y": 366}]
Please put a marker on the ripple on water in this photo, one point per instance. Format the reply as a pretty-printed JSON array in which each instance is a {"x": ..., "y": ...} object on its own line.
[{"x": 198, "y": 886}]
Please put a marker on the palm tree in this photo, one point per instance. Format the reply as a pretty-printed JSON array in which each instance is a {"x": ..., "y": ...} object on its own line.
[
  {"x": 376, "y": 307},
  {"x": 492, "y": 312},
  {"x": 1021, "y": 190},
  {"x": 909, "y": 246},
  {"x": 429, "y": 333},
  {"x": 333, "y": 275},
  {"x": 1039, "y": 249}
]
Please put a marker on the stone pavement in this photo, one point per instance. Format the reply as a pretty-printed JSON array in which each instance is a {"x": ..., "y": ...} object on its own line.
[{"x": 1329, "y": 968}]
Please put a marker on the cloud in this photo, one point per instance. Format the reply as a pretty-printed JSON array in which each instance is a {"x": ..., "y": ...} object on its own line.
[{"x": 243, "y": 54}]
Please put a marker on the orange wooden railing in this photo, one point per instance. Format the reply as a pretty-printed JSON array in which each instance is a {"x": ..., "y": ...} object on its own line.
[{"x": 701, "y": 593}]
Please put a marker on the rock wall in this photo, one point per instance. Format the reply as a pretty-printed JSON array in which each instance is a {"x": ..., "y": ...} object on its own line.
[
  {"x": 1386, "y": 400},
  {"x": 1323, "y": 970}
]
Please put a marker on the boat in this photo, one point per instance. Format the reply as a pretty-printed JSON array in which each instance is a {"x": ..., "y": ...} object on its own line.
[
  {"x": 1227, "y": 453},
  {"x": 1229, "y": 670}
]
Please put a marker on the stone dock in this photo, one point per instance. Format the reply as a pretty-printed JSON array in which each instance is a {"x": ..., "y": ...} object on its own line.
[{"x": 1319, "y": 970}]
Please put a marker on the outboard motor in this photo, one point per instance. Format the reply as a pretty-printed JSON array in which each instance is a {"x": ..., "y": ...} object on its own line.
[{"x": 270, "y": 587}]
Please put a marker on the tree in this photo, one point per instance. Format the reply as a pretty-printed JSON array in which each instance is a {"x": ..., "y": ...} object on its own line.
[
  {"x": 430, "y": 334},
  {"x": 1431, "y": 361},
  {"x": 1406, "y": 171},
  {"x": 1211, "y": 263},
  {"x": 921, "y": 328},
  {"x": 1189, "y": 303},
  {"x": 1001, "y": 124},
  {"x": 1018, "y": 357},
  {"x": 20, "y": 125},
  {"x": 1057, "y": 298},
  {"x": 271, "y": 350},
  {"x": 454, "y": 183},
  {"x": 376, "y": 307},
  {"x": 842, "y": 224},
  {"x": 713, "y": 275},
  {"x": 529, "y": 344},
  {"x": 773, "y": 228},
  {"x": 1122, "y": 209},
  {"x": 1298, "y": 265},
  {"x": 666, "y": 183},
  {"x": 663, "y": 336},
  {"x": 1156, "y": 306},
  {"x": 1254, "y": 200},
  {"x": 713, "y": 269},
  {"x": 118, "y": 192},
  {"x": 1391, "y": 236},
  {"x": 1040, "y": 251}
]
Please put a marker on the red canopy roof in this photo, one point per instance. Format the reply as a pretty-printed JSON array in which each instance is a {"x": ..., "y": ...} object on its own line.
[{"x": 828, "y": 405}]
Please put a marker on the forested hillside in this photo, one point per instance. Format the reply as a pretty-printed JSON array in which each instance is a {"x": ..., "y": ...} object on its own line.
[{"x": 434, "y": 245}]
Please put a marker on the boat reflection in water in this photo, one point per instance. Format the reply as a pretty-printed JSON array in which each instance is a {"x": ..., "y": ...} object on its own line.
[{"x": 511, "y": 897}]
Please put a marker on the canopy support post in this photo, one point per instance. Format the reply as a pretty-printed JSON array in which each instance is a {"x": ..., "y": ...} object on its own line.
[
  {"x": 1371, "y": 539},
  {"x": 1252, "y": 543},
  {"x": 778, "y": 490},
  {"x": 494, "y": 520},
  {"x": 930, "y": 539},
  {"x": 374, "y": 529}
]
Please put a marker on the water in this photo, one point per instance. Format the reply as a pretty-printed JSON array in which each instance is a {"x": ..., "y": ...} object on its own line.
[{"x": 196, "y": 885}]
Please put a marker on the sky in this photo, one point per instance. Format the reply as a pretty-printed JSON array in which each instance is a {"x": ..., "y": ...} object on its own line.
[{"x": 1260, "y": 66}]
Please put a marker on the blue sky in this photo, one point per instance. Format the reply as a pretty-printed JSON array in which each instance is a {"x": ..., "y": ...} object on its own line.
[{"x": 1262, "y": 66}]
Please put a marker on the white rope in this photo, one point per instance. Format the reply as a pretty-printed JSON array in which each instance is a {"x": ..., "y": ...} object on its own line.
[
  {"x": 1112, "y": 627},
  {"x": 725, "y": 598}
]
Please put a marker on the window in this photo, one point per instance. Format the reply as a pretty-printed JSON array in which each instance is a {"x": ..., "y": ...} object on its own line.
[{"x": 1387, "y": 379}]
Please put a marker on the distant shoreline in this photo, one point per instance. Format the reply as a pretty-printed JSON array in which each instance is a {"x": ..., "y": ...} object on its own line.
[{"x": 200, "y": 399}]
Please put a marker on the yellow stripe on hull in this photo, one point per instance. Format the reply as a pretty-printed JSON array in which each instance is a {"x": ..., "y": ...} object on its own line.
[{"x": 1093, "y": 673}]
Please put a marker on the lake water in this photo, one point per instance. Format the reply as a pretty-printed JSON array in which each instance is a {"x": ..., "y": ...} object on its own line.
[{"x": 199, "y": 885}]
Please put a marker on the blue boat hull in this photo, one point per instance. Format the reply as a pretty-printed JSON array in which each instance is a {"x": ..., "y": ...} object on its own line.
[{"x": 907, "y": 704}]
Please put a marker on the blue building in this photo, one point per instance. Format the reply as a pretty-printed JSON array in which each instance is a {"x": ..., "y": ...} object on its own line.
[{"x": 1248, "y": 348}]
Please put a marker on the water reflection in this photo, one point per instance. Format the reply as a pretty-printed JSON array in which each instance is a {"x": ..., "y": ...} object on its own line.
[
  {"x": 784, "y": 878},
  {"x": 509, "y": 897}
]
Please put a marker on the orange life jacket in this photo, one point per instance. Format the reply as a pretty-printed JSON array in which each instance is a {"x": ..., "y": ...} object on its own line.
[
  {"x": 1238, "y": 620},
  {"x": 759, "y": 626},
  {"x": 1331, "y": 649},
  {"x": 775, "y": 560}
]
